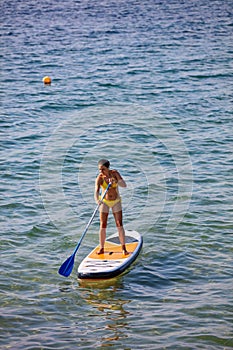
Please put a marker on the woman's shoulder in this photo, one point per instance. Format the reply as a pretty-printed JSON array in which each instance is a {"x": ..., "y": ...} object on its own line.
[
  {"x": 114, "y": 172},
  {"x": 100, "y": 179}
]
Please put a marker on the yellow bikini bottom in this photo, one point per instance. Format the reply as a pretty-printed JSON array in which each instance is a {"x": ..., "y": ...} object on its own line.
[{"x": 109, "y": 203}]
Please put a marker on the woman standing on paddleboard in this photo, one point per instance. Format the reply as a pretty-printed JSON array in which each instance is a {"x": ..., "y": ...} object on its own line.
[{"x": 112, "y": 200}]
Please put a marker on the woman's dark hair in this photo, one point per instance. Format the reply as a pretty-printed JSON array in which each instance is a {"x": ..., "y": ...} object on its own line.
[{"x": 104, "y": 162}]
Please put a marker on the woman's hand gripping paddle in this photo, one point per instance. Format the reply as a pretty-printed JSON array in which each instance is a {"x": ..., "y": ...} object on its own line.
[{"x": 67, "y": 267}]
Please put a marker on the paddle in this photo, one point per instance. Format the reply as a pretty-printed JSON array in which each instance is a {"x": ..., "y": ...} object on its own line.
[{"x": 67, "y": 267}]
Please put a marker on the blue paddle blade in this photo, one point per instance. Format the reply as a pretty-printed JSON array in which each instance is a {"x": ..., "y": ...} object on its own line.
[{"x": 67, "y": 267}]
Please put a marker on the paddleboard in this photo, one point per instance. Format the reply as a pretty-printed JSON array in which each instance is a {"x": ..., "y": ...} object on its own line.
[{"x": 112, "y": 262}]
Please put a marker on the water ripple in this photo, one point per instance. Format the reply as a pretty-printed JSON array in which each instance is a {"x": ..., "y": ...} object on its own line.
[{"x": 147, "y": 84}]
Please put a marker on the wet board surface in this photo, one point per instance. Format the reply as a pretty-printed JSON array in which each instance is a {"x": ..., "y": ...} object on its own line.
[{"x": 113, "y": 262}]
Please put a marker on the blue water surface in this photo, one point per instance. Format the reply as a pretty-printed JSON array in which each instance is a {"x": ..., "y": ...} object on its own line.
[{"x": 148, "y": 85}]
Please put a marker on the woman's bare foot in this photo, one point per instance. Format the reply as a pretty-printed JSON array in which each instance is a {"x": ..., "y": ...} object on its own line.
[
  {"x": 124, "y": 250},
  {"x": 101, "y": 251}
]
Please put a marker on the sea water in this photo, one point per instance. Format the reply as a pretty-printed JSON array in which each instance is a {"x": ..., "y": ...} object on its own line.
[{"x": 148, "y": 85}]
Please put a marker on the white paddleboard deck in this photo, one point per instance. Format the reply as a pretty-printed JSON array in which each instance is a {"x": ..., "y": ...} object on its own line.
[{"x": 112, "y": 262}]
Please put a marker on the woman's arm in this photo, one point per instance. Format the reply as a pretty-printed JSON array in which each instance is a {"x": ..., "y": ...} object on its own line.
[
  {"x": 97, "y": 190},
  {"x": 120, "y": 180}
]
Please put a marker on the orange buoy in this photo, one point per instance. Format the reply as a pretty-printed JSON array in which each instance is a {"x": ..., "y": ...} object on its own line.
[{"x": 47, "y": 80}]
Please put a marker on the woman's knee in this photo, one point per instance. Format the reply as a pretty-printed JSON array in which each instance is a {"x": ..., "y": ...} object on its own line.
[
  {"x": 118, "y": 218},
  {"x": 103, "y": 220},
  {"x": 103, "y": 224},
  {"x": 119, "y": 223}
]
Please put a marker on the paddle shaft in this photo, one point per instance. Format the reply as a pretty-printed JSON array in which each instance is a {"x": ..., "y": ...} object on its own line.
[
  {"x": 67, "y": 267},
  {"x": 91, "y": 219}
]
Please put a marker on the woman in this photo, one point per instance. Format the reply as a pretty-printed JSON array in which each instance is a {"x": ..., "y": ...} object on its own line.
[{"x": 112, "y": 200}]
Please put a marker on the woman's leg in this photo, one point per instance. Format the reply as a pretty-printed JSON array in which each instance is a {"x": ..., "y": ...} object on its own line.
[
  {"x": 121, "y": 231},
  {"x": 103, "y": 226}
]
